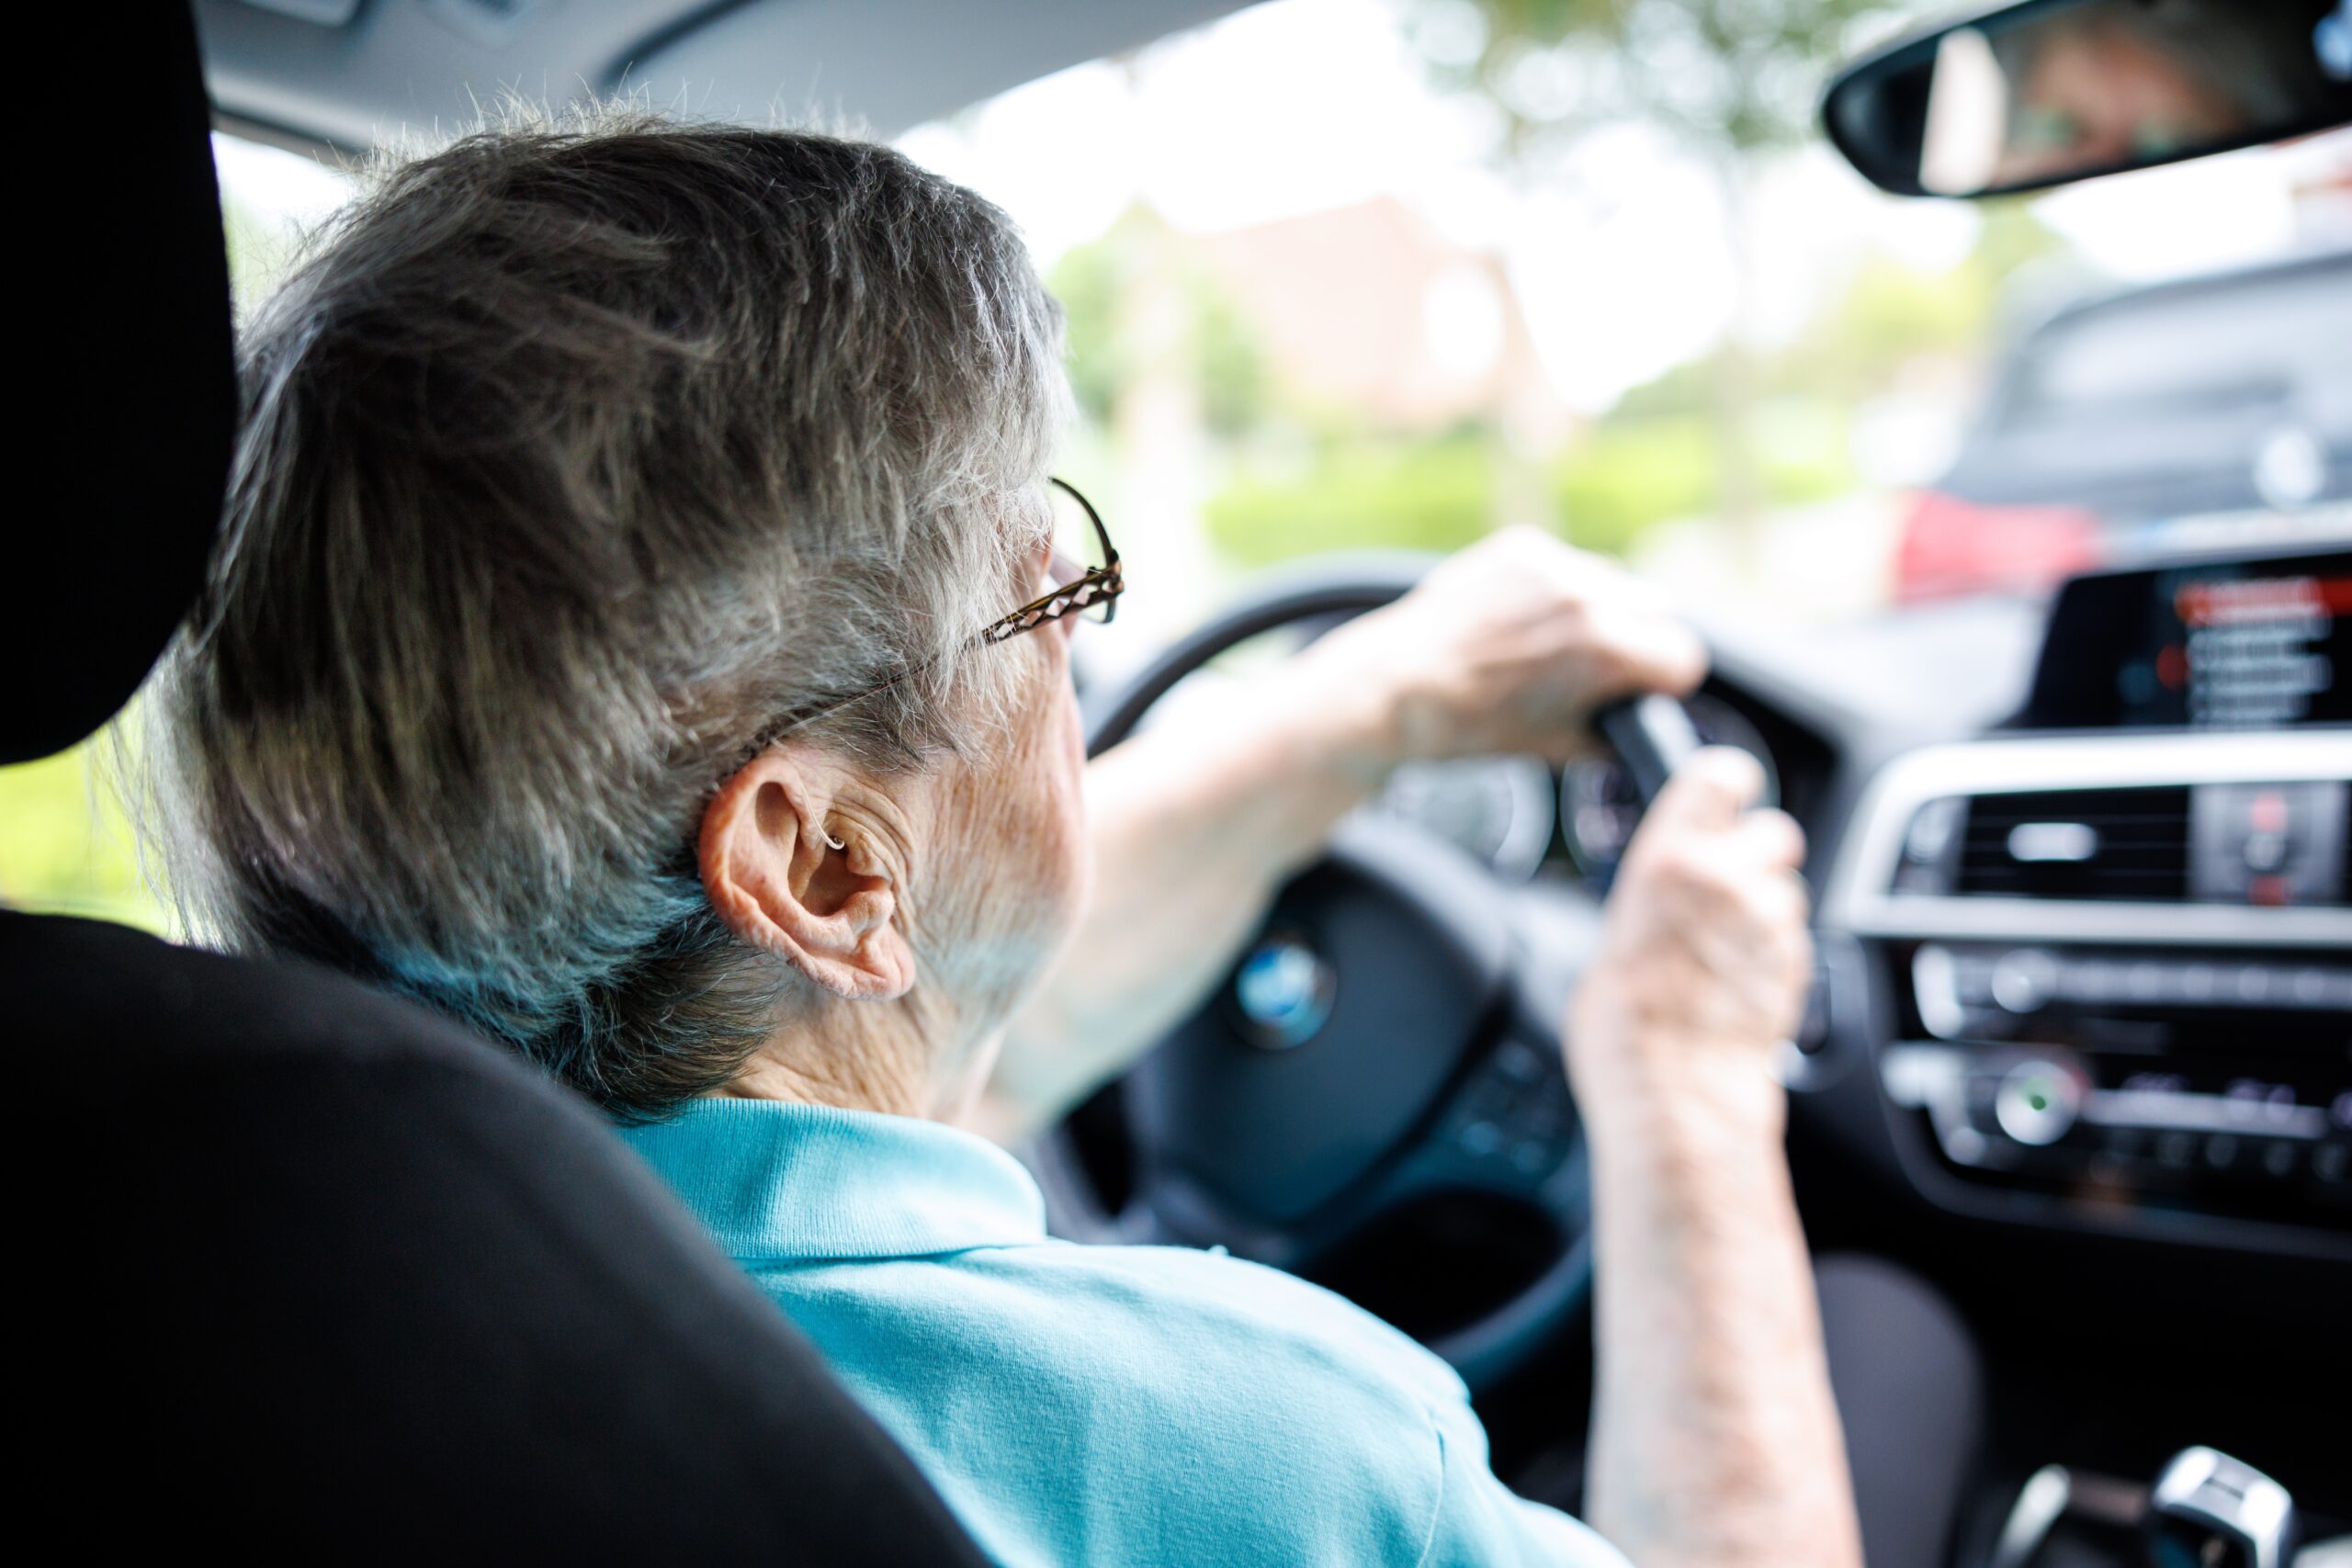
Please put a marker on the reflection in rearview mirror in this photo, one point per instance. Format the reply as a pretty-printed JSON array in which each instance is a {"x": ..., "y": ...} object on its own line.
[{"x": 2050, "y": 91}]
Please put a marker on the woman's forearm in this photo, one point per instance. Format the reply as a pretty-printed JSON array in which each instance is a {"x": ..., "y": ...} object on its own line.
[
  {"x": 1195, "y": 825},
  {"x": 1503, "y": 649},
  {"x": 1716, "y": 1441}
]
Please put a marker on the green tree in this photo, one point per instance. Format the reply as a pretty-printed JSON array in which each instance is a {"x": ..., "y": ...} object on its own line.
[
  {"x": 1729, "y": 81},
  {"x": 1091, "y": 280},
  {"x": 1890, "y": 314},
  {"x": 1727, "y": 78},
  {"x": 65, "y": 846},
  {"x": 1362, "y": 492}
]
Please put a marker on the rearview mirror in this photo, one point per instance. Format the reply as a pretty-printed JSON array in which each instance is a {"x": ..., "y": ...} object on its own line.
[{"x": 2048, "y": 91}]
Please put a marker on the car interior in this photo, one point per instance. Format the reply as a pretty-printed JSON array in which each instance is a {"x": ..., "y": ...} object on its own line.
[{"x": 327, "y": 1275}]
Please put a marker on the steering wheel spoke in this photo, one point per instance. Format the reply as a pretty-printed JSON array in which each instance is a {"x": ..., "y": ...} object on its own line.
[{"x": 1376, "y": 1094}]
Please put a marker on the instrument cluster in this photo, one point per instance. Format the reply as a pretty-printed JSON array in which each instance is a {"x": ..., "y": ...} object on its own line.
[{"x": 1517, "y": 817}]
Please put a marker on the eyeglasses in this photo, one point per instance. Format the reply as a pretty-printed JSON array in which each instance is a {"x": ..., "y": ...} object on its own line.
[
  {"x": 1082, "y": 573},
  {"x": 1085, "y": 579}
]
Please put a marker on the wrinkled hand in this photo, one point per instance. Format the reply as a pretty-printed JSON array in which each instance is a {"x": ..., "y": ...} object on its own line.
[
  {"x": 1704, "y": 958},
  {"x": 1507, "y": 647}
]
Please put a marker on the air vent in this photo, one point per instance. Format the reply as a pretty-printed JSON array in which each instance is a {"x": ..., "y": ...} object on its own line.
[{"x": 2077, "y": 844}]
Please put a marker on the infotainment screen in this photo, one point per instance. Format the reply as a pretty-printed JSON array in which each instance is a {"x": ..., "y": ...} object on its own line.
[{"x": 2246, "y": 644}]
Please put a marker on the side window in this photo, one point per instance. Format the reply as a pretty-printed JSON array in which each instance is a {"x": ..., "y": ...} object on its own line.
[{"x": 65, "y": 841}]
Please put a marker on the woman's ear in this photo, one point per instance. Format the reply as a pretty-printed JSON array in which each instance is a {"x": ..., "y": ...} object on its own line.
[{"x": 782, "y": 880}]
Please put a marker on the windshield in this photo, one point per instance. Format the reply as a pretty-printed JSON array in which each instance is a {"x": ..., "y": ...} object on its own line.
[
  {"x": 65, "y": 846},
  {"x": 2269, "y": 337},
  {"x": 1354, "y": 274},
  {"x": 1378, "y": 275}
]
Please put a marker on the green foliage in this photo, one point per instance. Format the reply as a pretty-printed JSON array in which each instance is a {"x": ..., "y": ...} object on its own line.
[
  {"x": 1726, "y": 76},
  {"x": 1359, "y": 494},
  {"x": 1619, "y": 479},
  {"x": 1682, "y": 388},
  {"x": 1625, "y": 475},
  {"x": 1234, "y": 393},
  {"x": 1086, "y": 281},
  {"x": 1731, "y": 78},
  {"x": 260, "y": 252},
  {"x": 65, "y": 847},
  {"x": 1891, "y": 315},
  {"x": 1888, "y": 315},
  {"x": 1728, "y": 80},
  {"x": 1093, "y": 280}
]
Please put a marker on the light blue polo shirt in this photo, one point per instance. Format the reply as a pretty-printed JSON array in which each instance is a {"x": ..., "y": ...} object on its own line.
[{"x": 1075, "y": 1404}]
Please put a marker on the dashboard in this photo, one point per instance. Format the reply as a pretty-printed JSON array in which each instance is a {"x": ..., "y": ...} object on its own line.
[
  {"x": 2111, "y": 941},
  {"x": 2084, "y": 893},
  {"x": 2097, "y": 957}
]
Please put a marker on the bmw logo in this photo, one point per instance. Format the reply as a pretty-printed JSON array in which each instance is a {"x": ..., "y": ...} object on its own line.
[{"x": 1283, "y": 992}]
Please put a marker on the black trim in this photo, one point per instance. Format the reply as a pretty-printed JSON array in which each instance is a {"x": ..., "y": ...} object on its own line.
[{"x": 1909, "y": 48}]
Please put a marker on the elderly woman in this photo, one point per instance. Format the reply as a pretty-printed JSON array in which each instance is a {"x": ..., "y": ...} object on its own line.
[{"x": 636, "y": 635}]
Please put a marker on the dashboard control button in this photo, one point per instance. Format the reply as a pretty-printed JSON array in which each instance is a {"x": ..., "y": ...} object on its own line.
[
  {"x": 2278, "y": 1159},
  {"x": 2269, "y": 843},
  {"x": 2089, "y": 980},
  {"x": 2024, "y": 980},
  {"x": 2124, "y": 1143},
  {"x": 2264, "y": 851},
  {"x": 2175, "y": 1150},
  {"x": 2221, "y": 1151},
  {"x": 2332, "y": 1163},
  {"x": 2037, "y": 1104}
]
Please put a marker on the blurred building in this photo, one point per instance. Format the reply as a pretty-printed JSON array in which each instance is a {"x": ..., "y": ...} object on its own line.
[
  {"x": 1369, "y": 310},
  {"x": 1359, "y": 319}
]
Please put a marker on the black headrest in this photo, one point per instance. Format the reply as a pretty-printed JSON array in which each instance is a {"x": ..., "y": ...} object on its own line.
[{"x": 127, "y": 404}]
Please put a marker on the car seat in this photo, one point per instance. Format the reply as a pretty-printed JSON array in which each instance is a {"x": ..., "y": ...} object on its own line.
[{"x": 314, "y": 1270}]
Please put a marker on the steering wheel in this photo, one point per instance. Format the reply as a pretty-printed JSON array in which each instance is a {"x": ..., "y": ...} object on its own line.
[{"x": 1390, "y": 1038}]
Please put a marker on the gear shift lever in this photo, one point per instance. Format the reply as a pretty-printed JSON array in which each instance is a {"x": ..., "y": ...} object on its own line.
[{"x": 2209, "y": 1510}]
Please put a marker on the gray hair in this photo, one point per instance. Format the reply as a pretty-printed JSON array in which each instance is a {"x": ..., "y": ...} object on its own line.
[{"x": 571, "y": 458}]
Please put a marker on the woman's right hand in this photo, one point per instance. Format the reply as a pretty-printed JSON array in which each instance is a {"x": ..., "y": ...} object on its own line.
[
  {"x": 1704, "y": 958},
  {"x": 1714, "y": 1435}
]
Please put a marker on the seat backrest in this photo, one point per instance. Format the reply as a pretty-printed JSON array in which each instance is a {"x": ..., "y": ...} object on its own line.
[
  {"x": 313, "y": 1270},
  {"x": 329, "y": 1276}
]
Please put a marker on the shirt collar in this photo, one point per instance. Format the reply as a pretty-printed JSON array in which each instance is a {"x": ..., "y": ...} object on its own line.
[{"x": 779, "y": 1182}]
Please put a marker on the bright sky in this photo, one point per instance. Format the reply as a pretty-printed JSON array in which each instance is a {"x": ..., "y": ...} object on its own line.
[
  {"x": 1306, "y": 104},
  {"x": 1299, "y": 105},
  {"x": 273, "y": 186}
]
